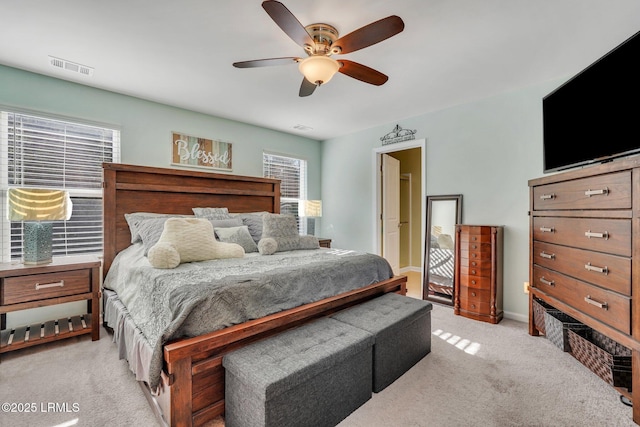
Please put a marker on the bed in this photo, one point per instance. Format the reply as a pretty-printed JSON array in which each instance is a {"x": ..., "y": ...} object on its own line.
[{"x": 190, "y": 388}]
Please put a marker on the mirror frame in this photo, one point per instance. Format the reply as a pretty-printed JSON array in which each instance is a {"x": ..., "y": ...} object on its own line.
[{"x": 427, "y": 241}]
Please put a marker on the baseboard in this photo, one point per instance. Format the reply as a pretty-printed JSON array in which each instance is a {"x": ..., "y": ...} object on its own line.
[
  {"x": 410, "y": 269},
  {"x": 516, "y": 316}
]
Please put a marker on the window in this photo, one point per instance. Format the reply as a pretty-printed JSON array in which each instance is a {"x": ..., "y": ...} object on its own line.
[
  {"x": 292, "y": 174},
  {"x": 43, "y": 152}
]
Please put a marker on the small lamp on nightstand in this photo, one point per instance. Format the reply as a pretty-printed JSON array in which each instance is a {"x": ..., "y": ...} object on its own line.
[
  {"x": 37, "y": 208},
  {"x": 310, "y": 209}
]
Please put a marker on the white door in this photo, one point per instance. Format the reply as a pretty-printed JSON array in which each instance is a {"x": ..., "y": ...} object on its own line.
[{"x": 391, "y": 211}]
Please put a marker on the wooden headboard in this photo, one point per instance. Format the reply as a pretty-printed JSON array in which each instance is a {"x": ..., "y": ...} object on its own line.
[{"x": 129, "y": 188}]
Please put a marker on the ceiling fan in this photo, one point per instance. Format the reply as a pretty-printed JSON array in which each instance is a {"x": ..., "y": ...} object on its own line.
[{"x": 320, "y": 41}]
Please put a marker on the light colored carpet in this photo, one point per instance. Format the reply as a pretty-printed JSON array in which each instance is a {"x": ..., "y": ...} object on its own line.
[{"x": 476, "y": 375}]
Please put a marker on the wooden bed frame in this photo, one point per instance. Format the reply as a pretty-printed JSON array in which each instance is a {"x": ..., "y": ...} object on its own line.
[{"x": 192, "y": 388}]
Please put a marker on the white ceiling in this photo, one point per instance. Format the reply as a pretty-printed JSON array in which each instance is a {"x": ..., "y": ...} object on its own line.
[{"x": 180, "y": 53}]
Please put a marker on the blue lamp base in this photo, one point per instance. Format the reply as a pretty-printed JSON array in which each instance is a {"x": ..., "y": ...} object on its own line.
[{"x": 37, "y": 242}]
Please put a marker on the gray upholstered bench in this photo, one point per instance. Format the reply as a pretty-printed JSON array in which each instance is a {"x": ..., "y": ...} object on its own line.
[
  {"x": 313, "y": 375},
  {"x": 402, "y": 329}
]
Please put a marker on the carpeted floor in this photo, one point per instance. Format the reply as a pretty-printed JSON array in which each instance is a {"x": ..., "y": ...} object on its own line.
[{"x": 476, "y": 375}]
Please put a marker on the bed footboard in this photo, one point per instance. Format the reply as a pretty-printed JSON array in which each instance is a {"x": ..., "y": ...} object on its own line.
[{"x": 192, "y": 389}]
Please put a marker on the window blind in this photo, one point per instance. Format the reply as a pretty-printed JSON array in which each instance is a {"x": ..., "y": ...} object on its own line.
[
  {"x": 292, "y": 173},
  {"x": 42, "y": 152}
]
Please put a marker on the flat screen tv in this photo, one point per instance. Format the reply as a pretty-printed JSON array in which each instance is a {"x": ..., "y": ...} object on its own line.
[{"x": 595, "y": 116}]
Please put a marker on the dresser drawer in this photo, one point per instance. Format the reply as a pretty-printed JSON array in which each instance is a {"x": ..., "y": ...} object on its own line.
[
  {"x": 475, "y": 235},
  {"x": 608, "y": 271},
  {"x": 604, "y": 235},
  {"x": 476, "y": 282},
  {"x": 481, "y": 266},
  {"x": 475, "y": 300},
  {"x": 615, "y": 309},
  {"x": 475, "y": 250},
  {"x": 44, "y": 286},
  {"x": 610, "y": 191}
]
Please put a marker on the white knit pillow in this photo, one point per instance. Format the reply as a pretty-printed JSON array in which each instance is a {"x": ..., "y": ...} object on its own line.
[{"x": 193, "y": 240}]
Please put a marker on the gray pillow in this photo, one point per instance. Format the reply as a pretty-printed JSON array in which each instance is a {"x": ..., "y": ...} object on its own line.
[
  {"x": 239, "y": 235},
  {"x": 133, "y": 221},
  {"x": 253, "y": 220},
  {"x": 279, "y": 225},
  {"x": 296, "y": 243},
  {"x": 212, "y": 213}
]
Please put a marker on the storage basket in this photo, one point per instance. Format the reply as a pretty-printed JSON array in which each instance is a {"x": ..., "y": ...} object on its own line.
[
  {"x": 539, "y": 309},
  {"x": 606, "y": 358},
  {"x": 557, "y": 325}
]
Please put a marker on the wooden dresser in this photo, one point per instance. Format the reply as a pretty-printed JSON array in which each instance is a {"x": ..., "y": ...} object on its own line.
[
  {"x": 585, "y": 251},
  {"x": 478, "y": 272}
]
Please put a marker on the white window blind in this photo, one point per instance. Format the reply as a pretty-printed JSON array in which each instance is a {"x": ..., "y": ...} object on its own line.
[
  {"x": 42, "y": 152},
  {"x": 292, "y": 173}
]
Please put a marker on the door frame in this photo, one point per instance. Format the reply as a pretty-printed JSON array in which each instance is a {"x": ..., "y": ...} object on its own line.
[{"x": 377, "y": 190}]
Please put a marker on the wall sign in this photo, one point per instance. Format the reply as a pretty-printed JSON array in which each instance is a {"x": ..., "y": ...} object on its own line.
[
  {"x": 398, "y": 135},
  {"x": 200, "y": 152}
]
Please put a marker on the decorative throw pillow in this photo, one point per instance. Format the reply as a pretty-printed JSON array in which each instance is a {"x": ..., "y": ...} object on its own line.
[
  {"x": 239, "y": 235},
  {"x": 253, "y": 220},
  {"x": 133, "y": 220},
  {"x": 267, "y": 246},
  {"x": 193, "y": 240},
  {"x": 212, "y": 213},
  {"x": 279, "y": 225}
]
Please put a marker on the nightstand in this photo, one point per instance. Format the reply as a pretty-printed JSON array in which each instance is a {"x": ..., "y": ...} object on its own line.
[
  {"x": 66, "y": 279},
  {"x": 324, "y": 243}
]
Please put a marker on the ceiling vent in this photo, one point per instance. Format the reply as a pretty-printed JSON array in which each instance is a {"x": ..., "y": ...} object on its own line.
[
  {"x": 302, "y": 128},
  {"x": 70, "y": 66}
]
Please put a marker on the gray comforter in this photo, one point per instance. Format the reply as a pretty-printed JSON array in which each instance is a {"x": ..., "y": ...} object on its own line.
[{"x": 200, "y": 297}]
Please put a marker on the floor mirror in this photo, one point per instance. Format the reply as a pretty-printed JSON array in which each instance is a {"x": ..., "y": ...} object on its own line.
[{"x": 443, "y": 213}]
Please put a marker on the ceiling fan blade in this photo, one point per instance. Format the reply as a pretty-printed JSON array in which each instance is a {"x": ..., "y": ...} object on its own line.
[
  {"x": 362, "y": 73},
  {"x": 287, "y": 22},
  {"x": 307, "y": 88},
  {"x": 369, "y": 35},
  {"x": 267, "y": 62}
]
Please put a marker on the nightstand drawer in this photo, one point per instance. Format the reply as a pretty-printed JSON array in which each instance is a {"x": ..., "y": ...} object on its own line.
[{"x": 44, "y": 286}]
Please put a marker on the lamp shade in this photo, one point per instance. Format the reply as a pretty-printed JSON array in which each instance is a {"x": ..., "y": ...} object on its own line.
[
  {"x": 318, "y": 69},
  {"x": 35, "y": 204},
  {"x": 310, "y": 208}
]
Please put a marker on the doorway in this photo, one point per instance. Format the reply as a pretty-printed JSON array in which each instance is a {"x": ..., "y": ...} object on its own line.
[{"x": 411, "y": 221}]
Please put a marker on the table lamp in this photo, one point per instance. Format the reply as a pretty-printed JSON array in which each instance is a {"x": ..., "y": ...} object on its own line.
[
  {"x": 37, "y": 208},
  {"x": 311, "y": 209}
]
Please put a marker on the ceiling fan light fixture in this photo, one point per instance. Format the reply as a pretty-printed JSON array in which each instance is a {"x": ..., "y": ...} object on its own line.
[{"x": 318, "y": 69}]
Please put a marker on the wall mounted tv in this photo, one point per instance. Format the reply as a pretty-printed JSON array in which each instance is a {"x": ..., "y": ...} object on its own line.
[{"x": 595, "y": 116}]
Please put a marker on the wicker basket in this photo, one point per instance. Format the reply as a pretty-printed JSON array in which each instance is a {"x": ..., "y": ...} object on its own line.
[
  {"x": 557, "y": 325},
  {"x": 606, "y": 358},
  {"x": 539, "y": 309}
]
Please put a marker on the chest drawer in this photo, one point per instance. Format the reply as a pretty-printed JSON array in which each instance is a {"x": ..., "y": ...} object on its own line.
[
  {"x": 44, "y": 286},
  {"x": 610, "y": 191},
  {"x": 475, "y": 250},
  {"x": 476, "y": 282},
  {"x": 475, "y": 300},
  {"x": 609, "y": 307},
  {"x": 608, "y": 271},
  {"x": 603, "y": 235}
]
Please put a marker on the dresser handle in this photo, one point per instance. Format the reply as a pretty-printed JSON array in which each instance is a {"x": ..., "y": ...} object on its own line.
[
  {"x": 547, "y": 229},
  {"x": 59, "y": 284},
  {"x": 547, "y": 196},
  {"x": 591, "y": 234},
  {"x": 602, "y": 305},
  {"x": 473, "y": 294},
  {"x": 548, "y": 282},
  {"x": 543, "y": 254},
  {"x": 590, "y": 267},
  {"x": 590, "y": 192}
]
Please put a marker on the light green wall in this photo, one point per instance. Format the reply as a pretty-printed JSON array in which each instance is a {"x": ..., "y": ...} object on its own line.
[
  {"x": 146, "y": 134},
  {"x": 485, "y": 150}
]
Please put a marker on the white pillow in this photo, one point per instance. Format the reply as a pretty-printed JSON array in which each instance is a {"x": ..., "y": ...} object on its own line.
[{"x": 193, "y": 240}]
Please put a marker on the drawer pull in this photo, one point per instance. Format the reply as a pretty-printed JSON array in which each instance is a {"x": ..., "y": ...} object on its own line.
[
  {"x": 546, "y": 229},
  {"x": 543, "y": 254},
  {"x": 591, "y": 234},
  {"x": 548, "y": 282},
  {"x": 473, "y": 294},
  {"x": 602, "y": 305},
  {"x": 473, "y": 282},
  {"x": 603, "y": 270},
  {"x": 590, "y": 192},
  {"x": 547, "y": 196},
  {"x": 59, "y": 284}
]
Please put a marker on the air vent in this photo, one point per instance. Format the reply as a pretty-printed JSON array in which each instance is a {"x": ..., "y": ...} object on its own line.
[
  {"x": 302, "y": 128},
  {"x": 70, "y": 66}
]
